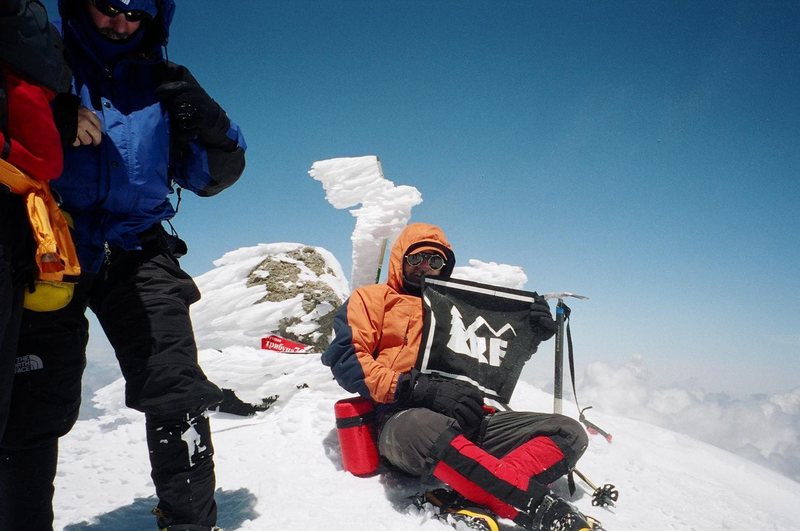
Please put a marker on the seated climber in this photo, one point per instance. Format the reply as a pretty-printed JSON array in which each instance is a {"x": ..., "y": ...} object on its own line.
[{"x": 504, "y": 460}]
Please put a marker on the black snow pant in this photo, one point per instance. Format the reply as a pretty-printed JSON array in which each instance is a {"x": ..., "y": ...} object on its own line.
[
  {"x": 141, "y": 299},
  {"x": 16, "y": 268},
  {"x": 27, "y": 471}
]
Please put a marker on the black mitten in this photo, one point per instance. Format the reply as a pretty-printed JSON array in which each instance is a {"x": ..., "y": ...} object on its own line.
[
  {"x": 541, "y": 319},
  {"x": 194, "y": 114},
  {"x": 453, "y": 398}
]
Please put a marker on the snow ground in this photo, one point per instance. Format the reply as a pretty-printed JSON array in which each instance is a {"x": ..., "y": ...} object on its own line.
[{"x": 282, "y": 467}]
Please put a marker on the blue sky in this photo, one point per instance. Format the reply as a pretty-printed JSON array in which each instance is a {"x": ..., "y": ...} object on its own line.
[{"x": 646, "y": 154}]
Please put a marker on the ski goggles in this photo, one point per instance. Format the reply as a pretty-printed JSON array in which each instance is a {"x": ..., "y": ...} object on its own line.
[
  {"x": 134, "y": 15},
  {"x": 435, "y": 261}
]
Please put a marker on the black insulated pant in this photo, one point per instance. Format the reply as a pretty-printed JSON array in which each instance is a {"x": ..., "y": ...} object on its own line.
[
  {"x": 17, "y": 264},
  {"x": 141, "y": 299},
  {"x": 182, "y": 469},
  {"x": 26, "y": 488}
]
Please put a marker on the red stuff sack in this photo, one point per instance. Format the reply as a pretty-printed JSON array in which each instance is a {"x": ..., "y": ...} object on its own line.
[{"x": 355, "y": 426}]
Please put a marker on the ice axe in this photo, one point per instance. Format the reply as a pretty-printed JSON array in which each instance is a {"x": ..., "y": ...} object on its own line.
[
  {"x": 562, "y": 315},
  {"x": 562, "y": 324}
]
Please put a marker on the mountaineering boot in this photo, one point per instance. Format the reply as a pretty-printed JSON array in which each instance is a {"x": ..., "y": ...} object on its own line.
[
  {"x": 458, "y": 512},
  {"x": 471, "y": 518},
  {"x": 180, "y": 527},
  {"x": 235, "y": 406},
  {"x": 184, "y": 527},
  {"x": 554, "y": 514}
]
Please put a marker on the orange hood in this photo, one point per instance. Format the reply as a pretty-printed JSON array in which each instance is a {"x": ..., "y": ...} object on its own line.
[{"x": 418, "y": 236}]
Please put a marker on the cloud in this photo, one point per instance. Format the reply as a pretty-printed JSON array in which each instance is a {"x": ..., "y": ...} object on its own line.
[{"x": 762, "y": 428}]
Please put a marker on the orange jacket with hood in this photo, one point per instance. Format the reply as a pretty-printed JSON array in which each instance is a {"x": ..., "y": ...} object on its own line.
[{"x": 379, "y": 328}]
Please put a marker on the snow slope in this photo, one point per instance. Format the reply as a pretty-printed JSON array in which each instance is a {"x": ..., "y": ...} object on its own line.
[{"x": 281, "y": 469}]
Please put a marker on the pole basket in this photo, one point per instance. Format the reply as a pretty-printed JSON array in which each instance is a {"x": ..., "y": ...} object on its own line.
[{"x": 605, "y": 495}]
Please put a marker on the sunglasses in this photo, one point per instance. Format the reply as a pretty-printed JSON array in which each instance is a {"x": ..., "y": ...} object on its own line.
[
  {"x": 435, "y": 261},
  {"x": 108, "y": 10}
]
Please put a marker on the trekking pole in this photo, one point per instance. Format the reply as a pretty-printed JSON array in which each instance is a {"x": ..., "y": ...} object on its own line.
[
  {"x": 601, "y": 496},
  {"x": 608, "y": 493},
  {"x": 380, "y": 260}
]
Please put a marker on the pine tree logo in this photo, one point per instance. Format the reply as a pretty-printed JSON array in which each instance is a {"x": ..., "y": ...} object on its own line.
[{"x": 479, "y": 341}]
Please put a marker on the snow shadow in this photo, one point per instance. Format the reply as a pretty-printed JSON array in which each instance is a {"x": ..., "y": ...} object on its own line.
[
  {"x": 400, "y": 487},
  {"x": 332, "y": 450},
  {"x": 235, "y": 507}
]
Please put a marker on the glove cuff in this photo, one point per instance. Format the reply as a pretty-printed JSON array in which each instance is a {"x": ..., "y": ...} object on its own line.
[
  {"x": 402, "y": 392},
  {"x": 216, "y": 136},
  {"x": 421, "y": 388}
]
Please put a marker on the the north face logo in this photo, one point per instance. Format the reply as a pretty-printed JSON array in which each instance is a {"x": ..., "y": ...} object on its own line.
[
  {"x": 479, "y": 340},
  {"x": 28, "y": 363}
]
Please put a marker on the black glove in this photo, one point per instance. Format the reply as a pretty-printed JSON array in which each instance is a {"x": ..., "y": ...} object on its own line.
[
  {"x": 193, "y": 113},
  {"x": 454, "y": 398},
  {"x": 541, "y": 320},
  {"x": 65, "y": 115}
]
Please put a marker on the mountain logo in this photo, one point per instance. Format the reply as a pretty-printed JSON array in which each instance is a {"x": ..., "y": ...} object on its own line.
[
  {"x": 28, "y": 363},
  {"x": 479, "y": 340}
]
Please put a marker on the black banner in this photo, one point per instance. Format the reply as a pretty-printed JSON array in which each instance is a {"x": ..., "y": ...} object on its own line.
[{"x": 477, "y": 333}]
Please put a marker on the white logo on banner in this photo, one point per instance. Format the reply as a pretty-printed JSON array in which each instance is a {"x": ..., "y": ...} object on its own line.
[{"x": 466, "y": 341}]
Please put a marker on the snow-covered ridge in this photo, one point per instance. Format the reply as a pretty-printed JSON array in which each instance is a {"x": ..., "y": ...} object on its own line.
[{"x": 288, "y": 289}]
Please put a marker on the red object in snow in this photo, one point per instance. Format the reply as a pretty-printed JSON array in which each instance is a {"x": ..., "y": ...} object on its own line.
[
  {"x": 355, "y": 427},
  {"x": 595, "y": 431},
  {"x": 281, "y": 344}
]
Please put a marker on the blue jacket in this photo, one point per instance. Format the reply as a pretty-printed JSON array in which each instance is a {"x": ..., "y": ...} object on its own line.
[{"x": 118, "y": 189}]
